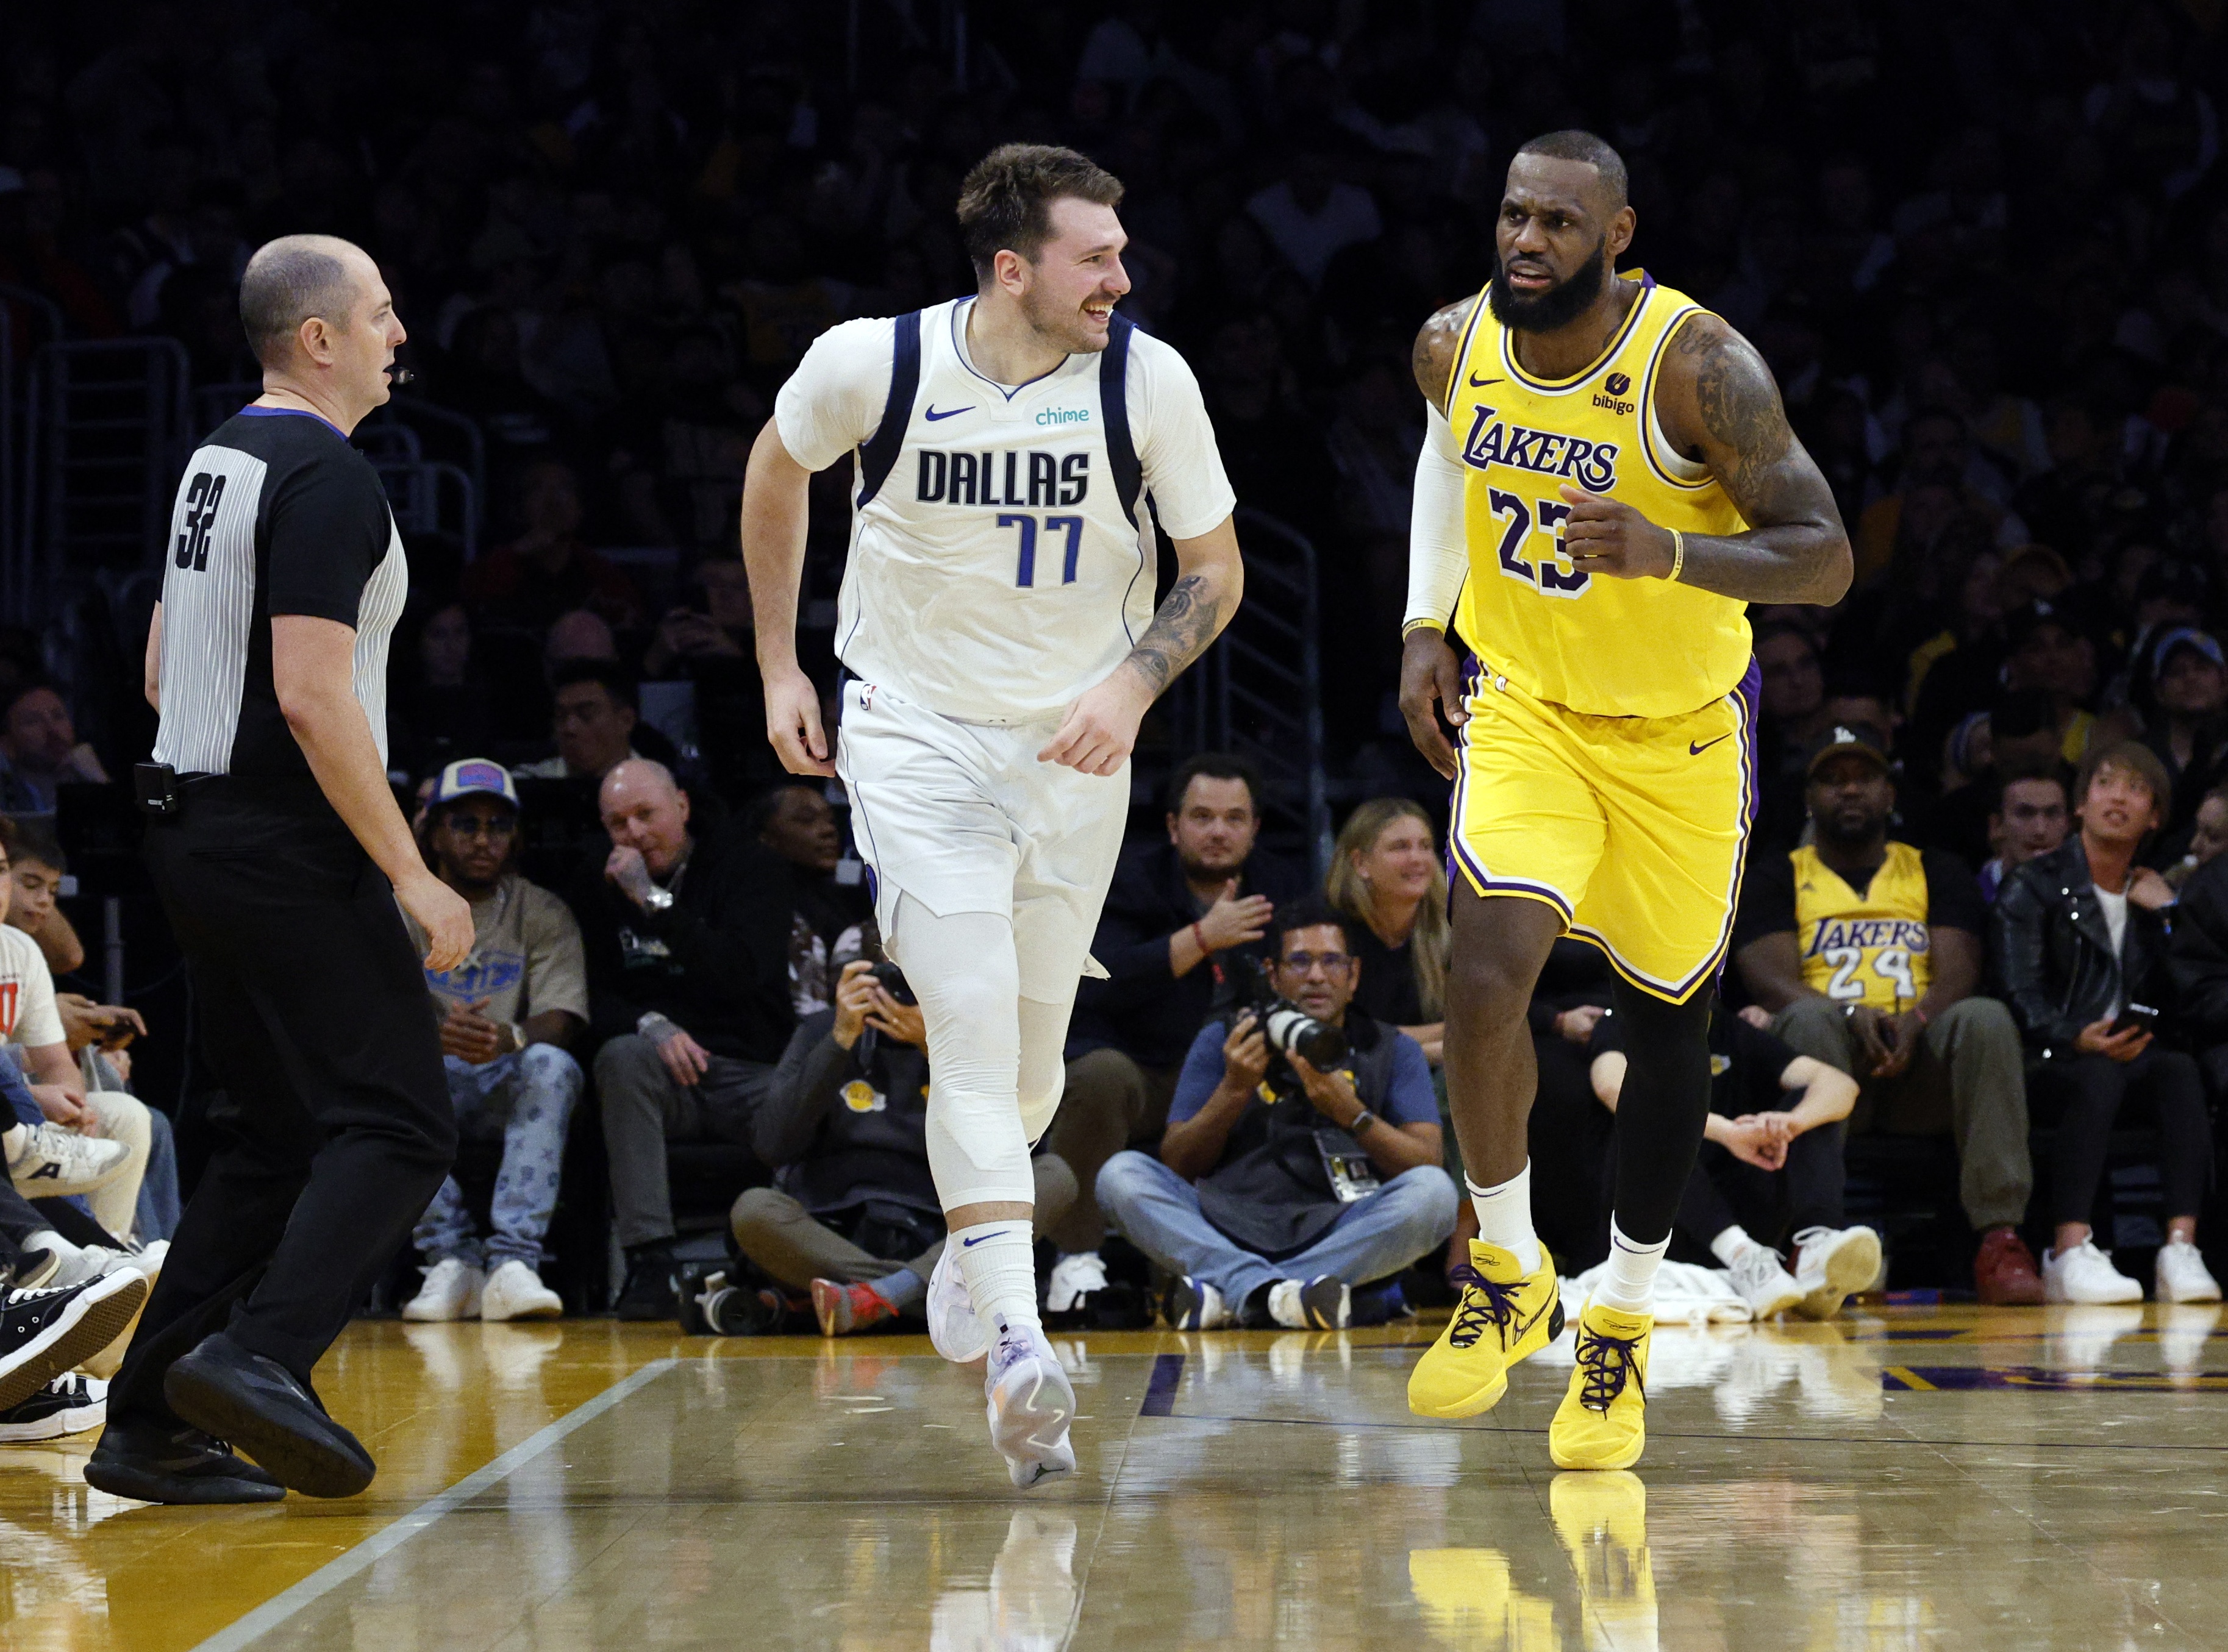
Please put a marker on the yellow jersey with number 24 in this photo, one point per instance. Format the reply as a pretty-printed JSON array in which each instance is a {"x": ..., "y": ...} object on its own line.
[{"x": 1605, "y": 647}]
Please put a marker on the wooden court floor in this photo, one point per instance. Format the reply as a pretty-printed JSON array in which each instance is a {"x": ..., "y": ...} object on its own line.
[{"x": 1909, "y": 1477}]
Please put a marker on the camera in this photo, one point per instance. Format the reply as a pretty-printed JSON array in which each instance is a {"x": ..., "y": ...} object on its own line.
[
  {"x": 891, "y": 980},
  {"x": 1289, "y": 1029}
]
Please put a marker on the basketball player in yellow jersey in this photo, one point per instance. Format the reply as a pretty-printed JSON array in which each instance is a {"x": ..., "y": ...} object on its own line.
[{"x": 1608, "y": 479}]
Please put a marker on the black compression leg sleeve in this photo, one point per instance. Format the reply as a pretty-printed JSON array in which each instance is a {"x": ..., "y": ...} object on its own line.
[{"x": 1662, "y": 1108}]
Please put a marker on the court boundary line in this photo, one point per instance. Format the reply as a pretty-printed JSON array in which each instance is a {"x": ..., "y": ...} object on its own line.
[{"x": 252, "y": 1627}]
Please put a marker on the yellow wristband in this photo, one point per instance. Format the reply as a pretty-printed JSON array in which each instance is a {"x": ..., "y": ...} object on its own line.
[
  {"x": 1678, "y": 555},
  {"x": 1422, "y": 625}
]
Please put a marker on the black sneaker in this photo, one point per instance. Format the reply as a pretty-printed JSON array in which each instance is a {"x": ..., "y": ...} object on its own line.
[
  {"x": 650, "y": 1291},
  {"x": 222, "y": 1388},
  {"x": 710, "y": 1306},
  {"x": 45, "y": 1333},
  {"x": 66, "y": 1405},
  {"x": 159, "y": 1463}
]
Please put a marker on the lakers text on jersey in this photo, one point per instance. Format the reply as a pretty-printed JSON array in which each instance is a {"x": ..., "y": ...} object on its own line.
[
  {"x": 1644, "y": 647},
  {"x": 1608, "y": 763},
  {"x": 1873, "y": 948}
]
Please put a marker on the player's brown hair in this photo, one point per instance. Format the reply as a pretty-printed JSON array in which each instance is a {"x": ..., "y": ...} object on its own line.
[{"x": 1005, "y": 205}]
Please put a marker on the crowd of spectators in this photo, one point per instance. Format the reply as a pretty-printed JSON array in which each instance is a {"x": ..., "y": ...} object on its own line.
[{"x": 1984, "y": 248}]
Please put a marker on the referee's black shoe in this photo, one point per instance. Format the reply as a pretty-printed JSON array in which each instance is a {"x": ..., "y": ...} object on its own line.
[
  {"x": 268, "y": 1412},
  {"x": 158, "y": 1464}
]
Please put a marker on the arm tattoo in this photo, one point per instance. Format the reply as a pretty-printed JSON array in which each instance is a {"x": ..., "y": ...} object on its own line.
[
  {"x": 1186, "y": 623},
  {"x": 1433, "y": 362},
  {"x": 1795, "y": 549},
  {"x": 1739, "y": 406}
]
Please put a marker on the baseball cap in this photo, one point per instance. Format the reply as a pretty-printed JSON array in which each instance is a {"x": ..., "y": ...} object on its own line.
[
  {"x": 2029, "y": 617},
  {"x": 1861, "y": 737},
  {"x": 471, "y": 776},
  {"x": 2185, "y": 637}
]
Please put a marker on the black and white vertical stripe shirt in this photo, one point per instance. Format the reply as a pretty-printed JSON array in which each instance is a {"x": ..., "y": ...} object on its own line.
[{"x": 276, "y": 514}]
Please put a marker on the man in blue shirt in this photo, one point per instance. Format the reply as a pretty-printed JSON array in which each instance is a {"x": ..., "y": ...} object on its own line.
[{"x": 1282, "y": 1186}]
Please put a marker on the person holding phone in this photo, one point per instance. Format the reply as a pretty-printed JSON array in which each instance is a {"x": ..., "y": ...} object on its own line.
[{"x": 2080, "y": 938}]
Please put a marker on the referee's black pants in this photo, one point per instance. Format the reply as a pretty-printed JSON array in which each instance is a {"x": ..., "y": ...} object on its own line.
[{"x": 333, "y": 1128}]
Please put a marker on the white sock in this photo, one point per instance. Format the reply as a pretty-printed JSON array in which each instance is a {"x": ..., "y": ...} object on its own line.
[
  {"x": 998, "y": 1261},
  {"x": 1729, "y": 1247},
  {"x": 1629, "y": 1283},
  {"x": 1504, "y": 1217}
]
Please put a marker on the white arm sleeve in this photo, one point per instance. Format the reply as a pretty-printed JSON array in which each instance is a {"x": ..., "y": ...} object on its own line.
[{"x": 1439, "y": 549}]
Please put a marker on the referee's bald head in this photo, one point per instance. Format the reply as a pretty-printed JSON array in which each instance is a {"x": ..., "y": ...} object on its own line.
[{"x": 295, "y": 277}]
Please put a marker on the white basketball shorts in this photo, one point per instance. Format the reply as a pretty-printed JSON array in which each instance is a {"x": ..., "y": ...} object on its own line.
[{"x": 962, "y": 817}]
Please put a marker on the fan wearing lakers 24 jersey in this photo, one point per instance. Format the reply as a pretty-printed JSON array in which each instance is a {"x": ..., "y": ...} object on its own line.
[
  {"x": 997, "y": 626},
  {"x": 1607, "y": 480}
]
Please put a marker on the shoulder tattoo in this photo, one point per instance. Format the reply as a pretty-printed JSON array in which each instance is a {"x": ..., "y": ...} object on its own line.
[
  {"x": 1736, "y": 399},
  {"x": 1436, "y": 344}
]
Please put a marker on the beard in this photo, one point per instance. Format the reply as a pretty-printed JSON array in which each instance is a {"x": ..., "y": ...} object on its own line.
[
  {"x": 1847, "y": 830},
  {"x": 1060, "y": 325},
  {"x": 1557, "y": 307}
]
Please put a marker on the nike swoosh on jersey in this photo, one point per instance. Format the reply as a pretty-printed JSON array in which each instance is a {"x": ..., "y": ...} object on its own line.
[
  {"x": 949, "y": 413},
  {"x": 1476, "y": 384},
  {"x": 1693, "y": 750}
]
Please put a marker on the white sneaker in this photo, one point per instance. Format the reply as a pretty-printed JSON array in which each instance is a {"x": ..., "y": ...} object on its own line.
[
  {"x": 516, "y": 1291},
  {"x": 953, "y": 1329},
  {"x": 1073, "y": 1278},
  {"x": 2085, "y": 1274},
  {"x": 51, "y": 1162},
  {"x": 1831, "y": 1266},
  {"x": 1764, "y": 1281},
  {"x": 452, "y": 1290},
  {"x": 1030, "y": 1406},
  {"x": 2182, "y": 1275}
]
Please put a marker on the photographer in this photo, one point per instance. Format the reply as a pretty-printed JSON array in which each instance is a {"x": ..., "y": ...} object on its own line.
[
  {"x": 2081, "y": 937},
  {"x": 1283, "y": 1183},
  {"x": 845, "y": 1127}
]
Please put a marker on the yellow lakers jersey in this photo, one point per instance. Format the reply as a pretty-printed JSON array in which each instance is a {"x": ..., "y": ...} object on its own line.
[
  {"x": 1873, "y": 948},
  {"x": 1635, "y": 648}
]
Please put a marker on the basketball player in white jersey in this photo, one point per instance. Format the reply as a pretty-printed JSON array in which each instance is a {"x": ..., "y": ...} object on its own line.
[{"x": 1000, "y": 646}]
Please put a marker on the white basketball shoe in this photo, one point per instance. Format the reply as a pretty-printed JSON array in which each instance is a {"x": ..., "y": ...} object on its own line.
[
  {"x": 1030, "y": 1406},
  {"x": 953, "y": 1327}
]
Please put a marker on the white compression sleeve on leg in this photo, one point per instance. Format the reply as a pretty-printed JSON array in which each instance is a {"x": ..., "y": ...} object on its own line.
[
  {"x": 1044, "y": 1064},
  {"x": 962, "y": 968},
  {"x": 1438, "y": 547}
]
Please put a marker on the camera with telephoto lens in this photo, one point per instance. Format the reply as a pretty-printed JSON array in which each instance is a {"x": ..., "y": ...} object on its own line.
[
  {"x": 1289, "y": 1029},
  {"x": 891, "y": 980}
]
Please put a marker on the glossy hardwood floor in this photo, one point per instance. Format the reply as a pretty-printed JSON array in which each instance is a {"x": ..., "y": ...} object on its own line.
[{"x": 1905, "y": 1478}]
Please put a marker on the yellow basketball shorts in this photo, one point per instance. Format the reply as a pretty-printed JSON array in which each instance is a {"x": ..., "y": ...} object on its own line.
[{"x": 1633, "y": 828}]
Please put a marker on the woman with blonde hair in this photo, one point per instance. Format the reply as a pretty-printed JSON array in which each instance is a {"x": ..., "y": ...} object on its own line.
[{"x": 1387, "y": 874}]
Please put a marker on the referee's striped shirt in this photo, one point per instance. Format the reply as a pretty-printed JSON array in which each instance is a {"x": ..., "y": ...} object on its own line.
[{"x": 276, "y": 514}]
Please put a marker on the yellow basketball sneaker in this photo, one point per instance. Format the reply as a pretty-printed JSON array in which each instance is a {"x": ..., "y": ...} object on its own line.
[
  {"x": 1503, "y": 1315},
  {"x": 1600, "y": 1423}
]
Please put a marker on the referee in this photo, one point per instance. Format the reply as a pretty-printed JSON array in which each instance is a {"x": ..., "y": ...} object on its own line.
[{"x": 280, "y": 856}]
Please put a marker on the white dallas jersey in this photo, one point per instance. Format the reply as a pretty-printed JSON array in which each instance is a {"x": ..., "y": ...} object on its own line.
[{"x": 1001, "y": 558}]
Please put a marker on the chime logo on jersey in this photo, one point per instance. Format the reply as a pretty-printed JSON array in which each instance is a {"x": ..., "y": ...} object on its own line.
[
  {"x": 1867, "y": 933},
  {"x": 1033, "y": 478},
  {"x": 1493, "y": 440}
]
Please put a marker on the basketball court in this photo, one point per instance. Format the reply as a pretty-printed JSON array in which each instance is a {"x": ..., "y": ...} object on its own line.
[{"x": 1914, "y": 1476}]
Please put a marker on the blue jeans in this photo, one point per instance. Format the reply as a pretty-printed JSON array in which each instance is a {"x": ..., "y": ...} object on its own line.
[
  {"x": 1157, "y": 1211},
  {"x": 527, "y": 1098}
]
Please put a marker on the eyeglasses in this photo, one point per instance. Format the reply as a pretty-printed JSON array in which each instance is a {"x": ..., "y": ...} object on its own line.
[
  {"x": 493, "y": 830},
  {"x": 1305, "y": 962}
]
